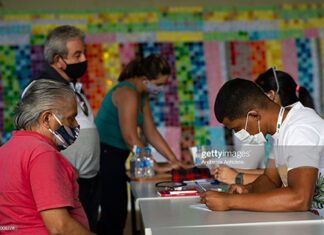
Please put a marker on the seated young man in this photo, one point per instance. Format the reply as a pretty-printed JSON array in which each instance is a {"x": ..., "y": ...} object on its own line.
[{"x": 297, "y": 146}]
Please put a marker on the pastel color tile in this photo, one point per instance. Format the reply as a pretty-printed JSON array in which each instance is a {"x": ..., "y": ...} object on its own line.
[
  {"x": 100, "y": 38},
  {"x": 241, "y": 64},
  {"x": 111, "y": 64},
  {"x": 314, "y": 46},
  {"x": 179, "y": 36},
  {"x": 23, "y": 65},
  {"x": 273, "y": 54},
  {"x": 172, "y": 136},
  {"x": 258, "y": 61},
  {"x": 289, "y": 51},
  {"x": 214, "y": 76},
  {"x": 217, "y": 136},
  {"x": 305, "y": 65},
  {"x": 171, "y": 99},
  {"x": 126, "y": 53},
  {"x": 185, "y": 84},
  {"x": 198, "y": 74},
  {"x": 10, "y": 85},
  {"x": 97, "y": 87}
]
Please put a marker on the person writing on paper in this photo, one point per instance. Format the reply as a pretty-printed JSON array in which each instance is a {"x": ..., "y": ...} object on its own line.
[
  {"x": 280, "y": 87},
  {"x": 297, "y": 146},
  {"x": 125, "y": 107},
  {"x": 38, "y": 189}
]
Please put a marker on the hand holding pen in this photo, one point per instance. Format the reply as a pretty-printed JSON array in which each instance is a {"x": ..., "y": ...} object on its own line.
[{"x": 201, "y": 187}]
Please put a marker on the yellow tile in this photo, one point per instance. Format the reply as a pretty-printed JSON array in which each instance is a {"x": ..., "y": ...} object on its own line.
[
  {"x": 287, "y": 7},
  {"x": 264, "y": 15},
  {"x": 111, "y": 62},
  {"x": 241, "y": 16},
  {"x": 179, "y": 36},
  {"x": 18, "y": 17},
  {"x": 185, "y": 9},
  {"x": 273, "y": 54},
  {"x": 301, "y": 6}
]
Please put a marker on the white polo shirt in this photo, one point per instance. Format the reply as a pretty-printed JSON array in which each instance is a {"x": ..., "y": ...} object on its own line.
[{"x": 300, "y": 144}]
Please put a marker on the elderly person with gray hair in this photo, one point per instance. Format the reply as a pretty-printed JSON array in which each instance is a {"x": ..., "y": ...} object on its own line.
[
  {"x": 38, "y": 190},
  {"x": 64, "y": 53}
]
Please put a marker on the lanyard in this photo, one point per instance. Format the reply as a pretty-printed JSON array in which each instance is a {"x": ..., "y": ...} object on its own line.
[{"x": 280, "y": 116}]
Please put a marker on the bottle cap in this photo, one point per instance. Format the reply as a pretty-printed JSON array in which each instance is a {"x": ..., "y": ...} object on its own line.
[
  {"x": 147, "y": 149},
  {"x": 134, "y": 148},
  {"x": 138, "y": 150}
]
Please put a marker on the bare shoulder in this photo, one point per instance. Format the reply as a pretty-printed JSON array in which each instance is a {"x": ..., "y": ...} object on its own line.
[
  {"x": 125, "y": 91},
  {"x": 124, "y": 94}
]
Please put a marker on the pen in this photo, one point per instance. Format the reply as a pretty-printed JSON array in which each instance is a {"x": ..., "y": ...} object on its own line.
[{"x": 201, "y": 187}]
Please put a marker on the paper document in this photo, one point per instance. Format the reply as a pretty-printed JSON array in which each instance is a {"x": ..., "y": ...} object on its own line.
[{"x": 200, "y": 207}]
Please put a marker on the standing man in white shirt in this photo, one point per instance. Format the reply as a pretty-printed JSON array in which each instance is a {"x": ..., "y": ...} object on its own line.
[
  {"x": 297, "y": 147},
  {"x": 66, "y": 62}
]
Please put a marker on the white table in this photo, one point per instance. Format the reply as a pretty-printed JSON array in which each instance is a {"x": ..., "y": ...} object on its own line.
[
  {"x": 144, "y": 190},
  {"x": 275, "y": 229},
  {"x": 176, "y": 214},
  {"x": 147, "y": 191}
]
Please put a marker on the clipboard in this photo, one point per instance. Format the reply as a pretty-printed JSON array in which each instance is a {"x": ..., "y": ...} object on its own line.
[{"x": 175, "y": 193}]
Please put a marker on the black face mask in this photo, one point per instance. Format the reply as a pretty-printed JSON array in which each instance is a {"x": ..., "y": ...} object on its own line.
[{"x": 76, "y": 70}]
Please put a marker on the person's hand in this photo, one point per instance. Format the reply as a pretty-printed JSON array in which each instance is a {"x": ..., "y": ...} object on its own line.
[
  {"x": 216, "y": 201},
  {"x": 161, "y": 168},
  {"x": 239, "y": 189},
  {"x": 178, "y": 164},
  {"x": 225, "y": 175}
]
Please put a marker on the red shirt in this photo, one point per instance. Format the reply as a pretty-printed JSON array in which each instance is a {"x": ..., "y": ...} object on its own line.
[{"x": 34, "y": 177}]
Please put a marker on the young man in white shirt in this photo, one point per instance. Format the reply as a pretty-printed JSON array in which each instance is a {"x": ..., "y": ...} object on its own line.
[{"x": 298, "y": 140}]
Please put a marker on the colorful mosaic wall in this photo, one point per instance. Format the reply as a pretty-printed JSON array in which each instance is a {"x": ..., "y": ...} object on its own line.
[{"x": 204, "y": 46}]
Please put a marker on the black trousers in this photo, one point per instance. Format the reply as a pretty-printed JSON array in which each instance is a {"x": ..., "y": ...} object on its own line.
[
  {"x": 89, "y": 197},
  {"x": 113, "y": 198}
]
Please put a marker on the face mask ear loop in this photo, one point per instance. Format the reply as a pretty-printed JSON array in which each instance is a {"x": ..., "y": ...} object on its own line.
[
  {"x": 276, "y": 79},
  {"x": 259, "y": 125},
  {"x": 247, "y": 118},
  {"x": 57, "y": 119}
]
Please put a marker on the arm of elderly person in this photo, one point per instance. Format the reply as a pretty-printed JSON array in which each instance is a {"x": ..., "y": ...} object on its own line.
[
  {"x": 59, "y": 221},
  {"x": 265, "y": 194}
]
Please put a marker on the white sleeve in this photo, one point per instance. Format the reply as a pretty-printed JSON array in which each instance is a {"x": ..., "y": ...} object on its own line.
[{"x": 302, "y": 147}]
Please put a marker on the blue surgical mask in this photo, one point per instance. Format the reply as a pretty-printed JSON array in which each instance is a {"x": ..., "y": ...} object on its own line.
[
  {"x": 64, "y": 135},
  {"x": 153, "y": 89}
]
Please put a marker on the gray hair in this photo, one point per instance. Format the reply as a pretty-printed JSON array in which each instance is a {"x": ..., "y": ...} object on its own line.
[
  {"x": 56, "y": 41},
  {"x": 42, "y": 95}
]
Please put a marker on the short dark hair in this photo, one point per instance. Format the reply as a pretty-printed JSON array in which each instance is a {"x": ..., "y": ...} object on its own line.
[
  {"x": 150, "y": 67},
  {"x": 287, "y": 88},
  {"x": 237, "y": 97}
]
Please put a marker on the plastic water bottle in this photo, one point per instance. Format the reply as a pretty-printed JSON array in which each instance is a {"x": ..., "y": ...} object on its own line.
[
  {"x": 149, "y": 163},
  {"x": 139, "y": 168},
  {"x": 132, "y": 161},
  {"x": 198, "y": 159}
]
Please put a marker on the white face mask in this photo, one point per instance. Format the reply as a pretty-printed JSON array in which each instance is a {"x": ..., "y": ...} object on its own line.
[{"x": 247, "y": 138}]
